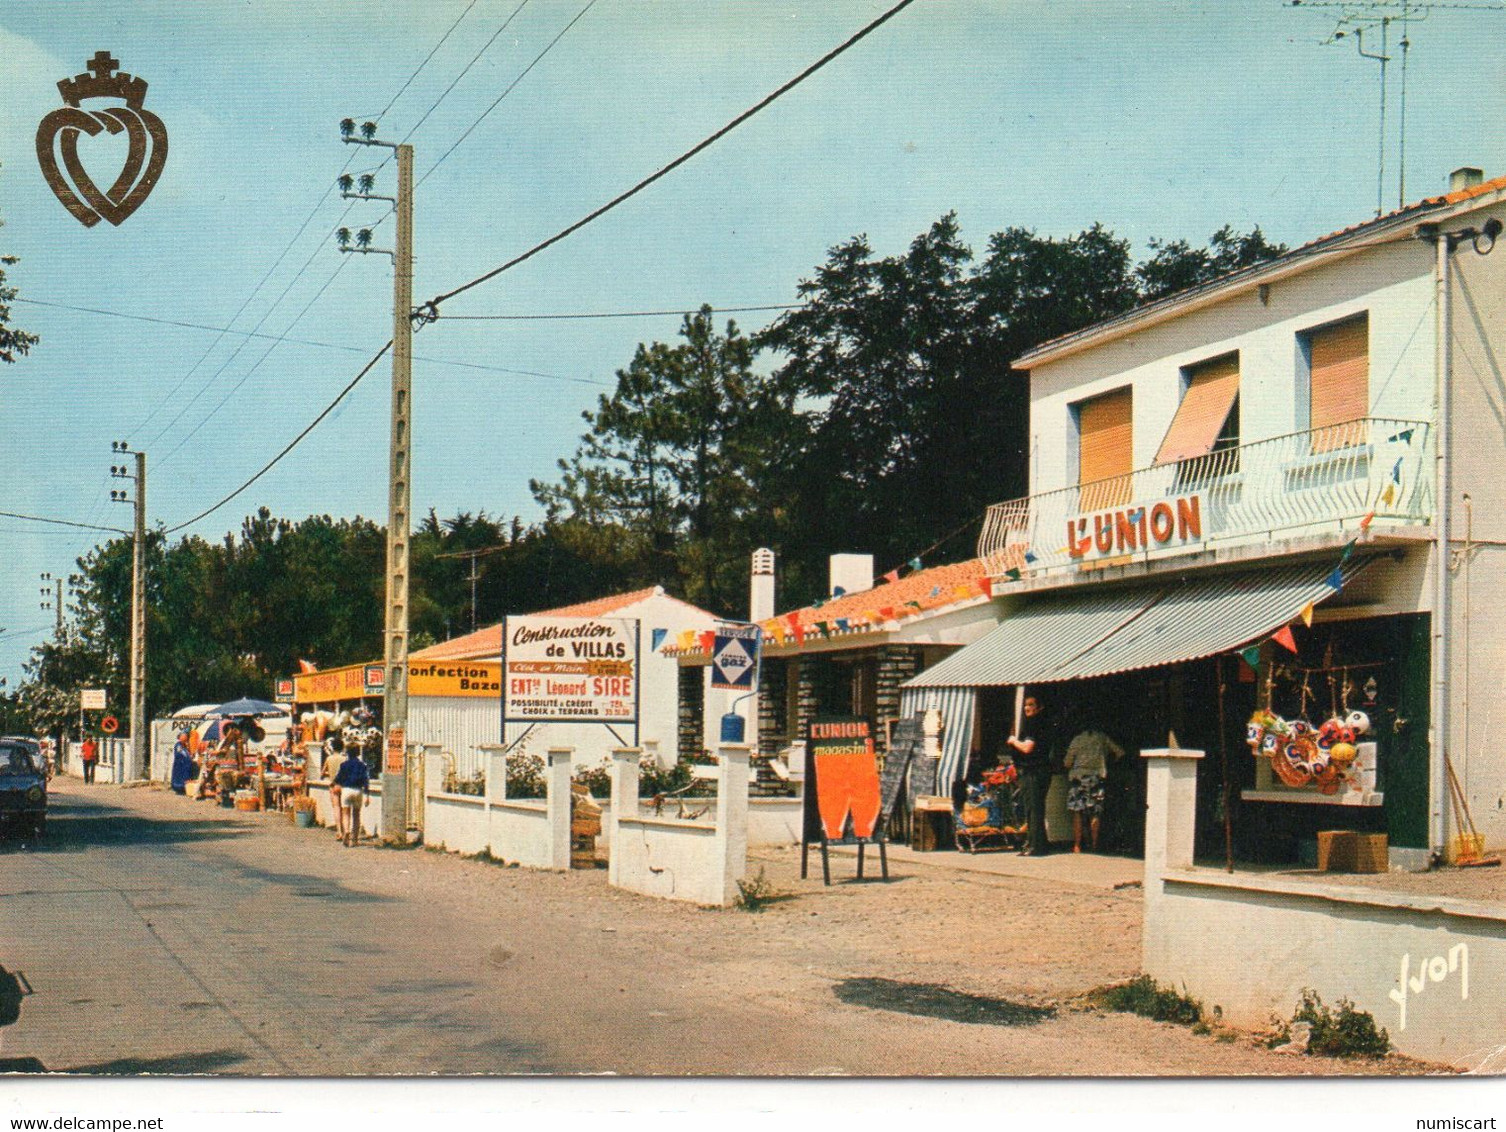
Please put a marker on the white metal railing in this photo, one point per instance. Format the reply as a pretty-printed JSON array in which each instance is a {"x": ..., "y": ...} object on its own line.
[{"x": 1303, "y": 482}]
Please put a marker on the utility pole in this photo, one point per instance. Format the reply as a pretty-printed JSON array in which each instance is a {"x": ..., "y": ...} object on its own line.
[
  {"x": 399, "y": 485},
  {"x": 49, "y": 602},
  {"x": 473, "y": 555},
  {"x": 136, "y": 768}
]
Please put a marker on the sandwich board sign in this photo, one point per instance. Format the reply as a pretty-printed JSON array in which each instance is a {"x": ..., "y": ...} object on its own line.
[{"x": 734, "y": 657}]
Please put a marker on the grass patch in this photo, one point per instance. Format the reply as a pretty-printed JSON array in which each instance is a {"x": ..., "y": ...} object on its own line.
[
  {"x": 755, "y": 893},
  {"x": 1337, "y": 1031},
  {"x": 1145, "y": 997}
]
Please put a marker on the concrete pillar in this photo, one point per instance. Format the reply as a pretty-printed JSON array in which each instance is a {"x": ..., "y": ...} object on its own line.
[
  {"x": 624, "y": 802},
  {"x": 557, "y": 792},
  {"x": 1170, "y": 816},
  {"x": 732, "y": 816},
  {"x": 433, "y": 769}
]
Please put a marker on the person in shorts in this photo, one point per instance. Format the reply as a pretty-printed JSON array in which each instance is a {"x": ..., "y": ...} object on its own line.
[
  {"x": 1087, "y": 764},
  {"x": 333, "y": 757},
  {"x": 354, "y": 781}
]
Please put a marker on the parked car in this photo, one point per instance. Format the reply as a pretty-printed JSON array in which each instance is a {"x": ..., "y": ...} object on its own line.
[{"x": 23, "y": 786}]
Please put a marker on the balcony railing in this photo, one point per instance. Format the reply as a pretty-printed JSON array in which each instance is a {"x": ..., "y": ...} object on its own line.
[{"x": 1372, "y": 471}]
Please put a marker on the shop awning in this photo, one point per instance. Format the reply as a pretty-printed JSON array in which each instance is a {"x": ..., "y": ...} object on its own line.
[{"x": 1069, "y": 636}]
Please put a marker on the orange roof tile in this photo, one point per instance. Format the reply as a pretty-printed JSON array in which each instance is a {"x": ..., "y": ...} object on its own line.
[{"x": 487, "y": 642}]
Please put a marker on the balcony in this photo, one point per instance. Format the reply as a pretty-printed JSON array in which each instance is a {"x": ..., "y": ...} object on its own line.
[{"x": 1372, "y": 473}]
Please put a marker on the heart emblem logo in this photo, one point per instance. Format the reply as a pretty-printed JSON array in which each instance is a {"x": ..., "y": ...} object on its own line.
[{"x": 59, "y": 132}]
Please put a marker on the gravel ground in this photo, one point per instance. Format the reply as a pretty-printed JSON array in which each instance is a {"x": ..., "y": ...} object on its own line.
[{"x": 933, "y": 973}]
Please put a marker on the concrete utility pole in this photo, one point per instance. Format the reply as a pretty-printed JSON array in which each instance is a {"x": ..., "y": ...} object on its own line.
[
  {"x": 399, "y": 486},
  {"x": 475, "y": 575},
  {"x": 136, "y": 768},
  {"x": 49, "y": 601}
]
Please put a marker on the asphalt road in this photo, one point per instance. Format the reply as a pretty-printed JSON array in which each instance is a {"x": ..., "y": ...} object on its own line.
[{"x": 160, "y": 935}]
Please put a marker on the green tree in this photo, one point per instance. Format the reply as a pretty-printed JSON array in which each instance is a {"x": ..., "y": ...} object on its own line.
[
  {"x": 1177, "y": 266},
  {"x": 13, "y": 340}
]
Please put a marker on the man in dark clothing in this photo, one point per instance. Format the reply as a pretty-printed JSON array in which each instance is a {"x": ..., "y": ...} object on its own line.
[
  {"x": 184, "y": 770},
  {"x": 1031, "y": 748}
]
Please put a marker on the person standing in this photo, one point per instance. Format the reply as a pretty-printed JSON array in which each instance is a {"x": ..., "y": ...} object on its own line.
[
  {"x": 183, "y": 766},
  {"x": 334, "y": 756},
  {"x": 354, "y": 781},
  {"x": 89, "y": 755},
  {"x": 1031, "y": 748},
  {"x": 1087, "y": 763}
]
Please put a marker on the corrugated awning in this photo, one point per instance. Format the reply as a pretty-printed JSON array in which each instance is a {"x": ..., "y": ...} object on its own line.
[{"x": 1075, "y": 636}]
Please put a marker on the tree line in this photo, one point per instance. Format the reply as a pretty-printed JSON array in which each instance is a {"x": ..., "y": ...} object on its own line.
[{"x": 880, "y": 415}]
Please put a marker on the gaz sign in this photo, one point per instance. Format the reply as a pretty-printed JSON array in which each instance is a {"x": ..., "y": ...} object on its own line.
[{"x": 734, "y": 657}]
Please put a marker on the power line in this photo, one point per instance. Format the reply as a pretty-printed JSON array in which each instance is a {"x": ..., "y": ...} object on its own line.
[
  {"x": 464, "y": 71},
  {"x": 62, "y": 522},
  {"x": 279, "y": 338},
  {"x": 270, "y": 464},
  {"x": 510, "y": 87},
  {"x": 614, "y": 314},
  {"x": 433, "y": 304},
  {"x": 393, "y": 101}
]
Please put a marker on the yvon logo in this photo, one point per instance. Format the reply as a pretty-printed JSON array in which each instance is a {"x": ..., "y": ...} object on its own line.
[{"x": 1434, "y": 970}]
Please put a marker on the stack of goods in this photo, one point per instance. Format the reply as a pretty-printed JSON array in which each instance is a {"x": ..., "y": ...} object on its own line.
[{"x": 1304, "y": 755}]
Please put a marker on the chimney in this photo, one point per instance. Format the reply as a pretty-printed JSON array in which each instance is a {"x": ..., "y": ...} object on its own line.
[
  {"x": 761, "y": 586},
  {"x": 851, "y": 573},
  {"x": 1465, "y": 177}
]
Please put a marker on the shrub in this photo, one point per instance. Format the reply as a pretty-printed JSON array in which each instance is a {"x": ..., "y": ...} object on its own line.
[
  {"x": 1143, "y": 996},
  {"x": 1340, "y": 1031},
  {"x": 525, "y": 776},
  {"x": 596, "y": 779},
  {"x": 755, "y": 892}
]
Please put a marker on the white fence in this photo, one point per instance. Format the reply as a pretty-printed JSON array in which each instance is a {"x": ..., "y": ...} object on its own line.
[{"x": 532, "y": 832}]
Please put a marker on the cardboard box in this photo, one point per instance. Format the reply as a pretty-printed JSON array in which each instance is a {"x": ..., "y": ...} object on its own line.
[
  {"x": 1336, "y": 850},
  {"x": 1372, "y": 853}
]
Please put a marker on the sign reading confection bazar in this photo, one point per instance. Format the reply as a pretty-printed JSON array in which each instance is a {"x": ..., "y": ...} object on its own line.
[
  {"x": 1144, "y": 526},
  {"x": 570, "y": 669},
  {"x": 480, "y": 678}
]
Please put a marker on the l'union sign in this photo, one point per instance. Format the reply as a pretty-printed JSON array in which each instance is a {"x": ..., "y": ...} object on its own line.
[{"x": 1142, "y": 526}]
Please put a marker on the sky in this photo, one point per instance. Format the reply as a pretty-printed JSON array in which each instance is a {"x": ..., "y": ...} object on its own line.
[{"x": 1158, "y": 119}]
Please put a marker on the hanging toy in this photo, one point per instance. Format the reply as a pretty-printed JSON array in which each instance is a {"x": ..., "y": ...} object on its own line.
[
  {"x": 1256, "y": 728},
  {"x": 1357, "y": 722}
]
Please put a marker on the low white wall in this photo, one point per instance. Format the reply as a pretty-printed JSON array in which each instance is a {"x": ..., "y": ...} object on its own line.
[
  {"x": 371, "y": 813},
  {"x": 774, "y": 821},
  {"x": 531, "y": 832},
  {"x": 456, "y": 822},
  {"x": 697, "y": 861},
  {"x": 1429, "y": 968}
]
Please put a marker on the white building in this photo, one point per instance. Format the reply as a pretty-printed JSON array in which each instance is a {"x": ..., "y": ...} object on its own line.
[{"x": 1200, "y": 468}]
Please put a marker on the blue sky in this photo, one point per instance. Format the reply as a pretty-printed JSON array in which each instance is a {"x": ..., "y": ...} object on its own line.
[{"x": 1157, "y": 119}]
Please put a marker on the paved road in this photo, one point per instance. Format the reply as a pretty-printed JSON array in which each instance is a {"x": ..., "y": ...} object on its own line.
[{"x": 159, "y": 935}]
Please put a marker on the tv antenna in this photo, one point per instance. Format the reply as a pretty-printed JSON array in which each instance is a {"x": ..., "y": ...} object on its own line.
[{"x": 1355, "y": 18}]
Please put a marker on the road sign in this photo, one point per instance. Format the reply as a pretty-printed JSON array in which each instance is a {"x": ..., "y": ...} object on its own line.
[
  {"x": 109, "y": 725},
  {"x": 734, "y": 657},
  {"x": 91, "y": 699}
]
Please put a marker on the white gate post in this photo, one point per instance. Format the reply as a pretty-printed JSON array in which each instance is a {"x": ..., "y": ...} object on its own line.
[
  {"x": 732, "y": 817},
  {"x": 557, "y": 795},
  {"x": 624, "y": 803}
]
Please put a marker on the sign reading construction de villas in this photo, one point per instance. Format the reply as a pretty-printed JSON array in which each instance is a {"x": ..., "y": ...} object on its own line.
[
  {"x": 1139, "y": 527},
  {"x": 570, "y": 669}
]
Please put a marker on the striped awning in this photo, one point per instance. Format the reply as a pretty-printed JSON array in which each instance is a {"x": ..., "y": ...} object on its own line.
[
  {"x": 957, "y": 707},
  {"x": 1070, "y": 636}
]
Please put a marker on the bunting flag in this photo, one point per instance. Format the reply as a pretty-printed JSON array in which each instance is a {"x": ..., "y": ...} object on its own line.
[
  {"x": 708, "y": 639},
  {"x": 779, "y": 633},
  {"x": 1396, "y": 471},
  {"x": 837, "y": 591},
  {"x": 818, "y": 603},
  {"x": 1307, "y": 615},
  {"x": 792, "y": 619},
  {"x": 935, "y": 591},
  {"x": 686, "y": 640},
  {"x": 1366, "y": 521},
  {"x": 1251, "y": 655},
  {"x": 961, "y": 591},
  {"x": 984, "y": 587},
  {"x": 822, "y": 628},
  {"x": 658, "y": 639},
  {"x": 1013, "y": 574},
  {"x": 1335, "y": 579},
  {"x": 886, "y": 612},
  {"x": 1030, "y": 557},
  {"x": 914, "y": 563},
  {"x": 1283, "y": 637},
  {"x": 1405, "y": 434},
  {"x": 892, "y": 575},
  {"x": 799, "y": 634},
  {"x": 916, "y": 604},
  {"x": 842, "y": 624},
  {"x": 1388, "y": 496}
]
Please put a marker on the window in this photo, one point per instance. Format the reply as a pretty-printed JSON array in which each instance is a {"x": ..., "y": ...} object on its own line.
[
  {"x": 1105, "y": 448},
  {"x": 1207, "y": 419},
  {"x": 1338, "y": 363}
]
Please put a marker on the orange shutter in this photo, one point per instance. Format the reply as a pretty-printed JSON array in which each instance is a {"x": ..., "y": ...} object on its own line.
[
  {"x": 1204, "y": 409},
  {"x": 1105, "y": 449},
  {"x": 1340, "y": 391}
]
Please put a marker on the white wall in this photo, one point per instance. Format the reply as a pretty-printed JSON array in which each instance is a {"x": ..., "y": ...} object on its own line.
[{"x": 1393, "y": 283}]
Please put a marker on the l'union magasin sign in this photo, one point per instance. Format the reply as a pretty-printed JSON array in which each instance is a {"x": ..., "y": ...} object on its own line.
[{"x": 1137, "y": 527}]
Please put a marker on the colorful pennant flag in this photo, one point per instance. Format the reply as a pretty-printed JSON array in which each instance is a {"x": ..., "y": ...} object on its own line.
[
  {"x": 842, "y": 624},
  {"x": 1367, "y": 520},
  {"x": 886, "y": 612},
  {"x": 1404, "y": 434},
  {"x": 1396, "y": 471},
  {"x": 837, "y": 591},
  {"x": 708, "y": 638},
  {"x": 658, "y": 638},
  {"x": 1251, "y": 655},
  {"x": 1388, "y": 496},
  {"x": 686, "y": 640},
  {"x": 1335, "y": 579},
  {"x": 935, "y": 591},
  {"x": 800, "y": 634},
  {"x": 984, "y": 587},
  {"x": 1013, "y": 574},
  {"x": 892, "y": 575},
  {"x": 1307, "y": 615},
  {"x": 1029, "y": 557},
  {"x": 1283, "y": 637},
  {"x": 1348, "y": 550}
]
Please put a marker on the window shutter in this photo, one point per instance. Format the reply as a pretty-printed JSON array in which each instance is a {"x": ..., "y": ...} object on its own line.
[
  {"x": 1205, "y": 407},
  {"x": 1106, "y": 451},
  {"x": 1340, "y": 391}
]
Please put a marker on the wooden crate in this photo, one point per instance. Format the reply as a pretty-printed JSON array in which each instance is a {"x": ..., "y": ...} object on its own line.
[
  {"x": 1336, "y": 850},
  {"x": 1372, "y": 853}
]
